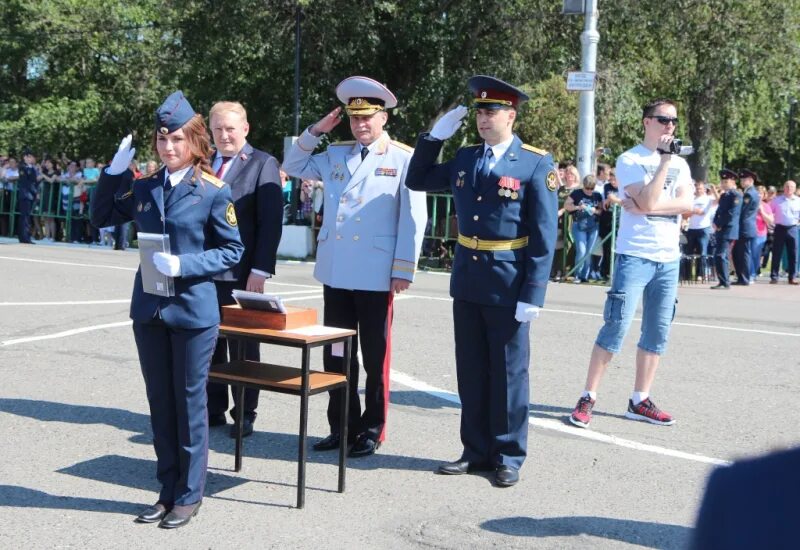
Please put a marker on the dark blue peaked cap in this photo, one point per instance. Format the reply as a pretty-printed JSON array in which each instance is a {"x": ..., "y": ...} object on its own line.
[
  {"x": 492, "y": 93},
  {"x": 747, "y": 173},
  {"x": 173, "y": 113},
  {"x": 726, "y": 173}
]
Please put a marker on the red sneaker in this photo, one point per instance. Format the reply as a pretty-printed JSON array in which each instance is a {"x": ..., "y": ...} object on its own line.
[
  {"x": 648, "y": 412},
  {"x": 582, "y": 414}
]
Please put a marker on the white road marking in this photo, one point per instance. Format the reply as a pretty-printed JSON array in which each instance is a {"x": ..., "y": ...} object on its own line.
[
  {"x": 70, "y": 303},
  {"x": 555, "y": 425},
  {"x": 69, "y": 263},
  {"x": 65, "y": 333},
  {"x": 676, "y": 323},
  {"x": 296, "y": 298}
]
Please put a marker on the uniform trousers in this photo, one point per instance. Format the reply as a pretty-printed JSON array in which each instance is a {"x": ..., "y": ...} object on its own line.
[
  {"x": 784, "y": 236},
  {"x": 721, "y": 260},
  {"x": 743, "y": 259},
  {"x": 369, "y": 313},
  {"x": 218, "y": 393},
  {"x": 175, "y": 364},
  {"x": 492, "y": 357},
  {"x": 24, "y": 230}
]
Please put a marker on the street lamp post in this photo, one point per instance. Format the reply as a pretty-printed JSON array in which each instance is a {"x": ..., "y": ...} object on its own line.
[{"x": 790, "y": 140}]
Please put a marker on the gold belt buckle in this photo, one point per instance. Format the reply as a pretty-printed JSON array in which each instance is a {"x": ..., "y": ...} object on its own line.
[{"x": 473, "y": 243}]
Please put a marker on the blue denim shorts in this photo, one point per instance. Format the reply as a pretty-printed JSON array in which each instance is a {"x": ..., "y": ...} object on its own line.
[{"x": 634, "y": 278}]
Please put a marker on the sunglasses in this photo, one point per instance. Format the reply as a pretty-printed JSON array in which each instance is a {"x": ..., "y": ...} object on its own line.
[{"x": 665, "y": 120}]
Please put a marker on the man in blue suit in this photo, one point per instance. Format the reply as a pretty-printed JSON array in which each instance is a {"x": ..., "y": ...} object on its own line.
[
  {"x": 253, "y": 178},
  {"x": 752, "y": 504},
  {"x": 367, "y": 249},
  {"x": 742, "y": 249},
  {"x": 726, "y": 225},
  {"x": 507, "y": 207},
  {"x": 27, "y": 192}
]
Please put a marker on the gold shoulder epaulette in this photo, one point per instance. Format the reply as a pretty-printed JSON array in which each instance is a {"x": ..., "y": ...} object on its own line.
[
  {"x": 343, "y": 143},
  {"x": 534, "y": 149},
  {"x": 403, "y": 146},
  {"x": 213, "y": 180}
]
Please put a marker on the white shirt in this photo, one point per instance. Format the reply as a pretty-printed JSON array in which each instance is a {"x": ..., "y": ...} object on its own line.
[
  {"x": 701, "y": 221},
  {"x": 786, "y": 210},
  {"x": 498, "y": 151},
  {"x": 654, "y": 237},
  {"x": 175, "y": 177}
]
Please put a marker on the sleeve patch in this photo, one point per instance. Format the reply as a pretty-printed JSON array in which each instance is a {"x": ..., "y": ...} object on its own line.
[
  {"x": 230, "y": 215},
  {"x": 551, "y": 181}
]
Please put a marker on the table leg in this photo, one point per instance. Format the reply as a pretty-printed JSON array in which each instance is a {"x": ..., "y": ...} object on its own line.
[
  {"x": 343, "y": 414},
  {"x": 301, "y": 451},
  {"x": 239, "y": 427}
]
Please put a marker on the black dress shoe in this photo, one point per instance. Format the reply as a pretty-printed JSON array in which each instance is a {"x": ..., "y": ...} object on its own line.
[
  {"x": 215, "y": 420},
  {"x": 180, "y": 516},
  {"x": 327, "y": 444},
  {"x": 247, "y": 428},
  {"x": 721, "y": 287},
  {"x": 153, "y": 513},
  {"x": 506, "y": 476},
  {"x": 462, "y": 466},
  {"x": 364, "y": 446}
]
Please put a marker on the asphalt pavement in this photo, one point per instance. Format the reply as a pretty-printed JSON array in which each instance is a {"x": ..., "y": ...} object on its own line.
[{"x": 78, "y": 464}]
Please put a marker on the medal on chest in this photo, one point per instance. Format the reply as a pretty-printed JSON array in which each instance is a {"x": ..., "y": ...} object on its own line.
[
  {"x": 508, "y": 187},
  {"x": 337, "y": 172},
  {"x": 460, "y": 179}
]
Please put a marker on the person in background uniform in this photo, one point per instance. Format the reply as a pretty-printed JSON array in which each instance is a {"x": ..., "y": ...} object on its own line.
[
  {"x": 27, "y": 193},
  {"x": 726, "y": 226},
  {"x": 175, "y": 335},
  {"x": 505, "y": 195},
  {"x": 656, "y": 190},
  {"x": 367, "y": 249},
  {"x": 255, "y": 184},
  {"x": 743, "y": 248},
  {"x": 751, "y": 504}
]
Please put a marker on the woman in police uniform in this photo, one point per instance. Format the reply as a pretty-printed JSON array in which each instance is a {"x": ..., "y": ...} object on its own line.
[{"x": 175, "y": 336}]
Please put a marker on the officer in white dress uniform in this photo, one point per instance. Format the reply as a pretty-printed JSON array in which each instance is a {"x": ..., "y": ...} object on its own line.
[{"x": 368, "y": 245}]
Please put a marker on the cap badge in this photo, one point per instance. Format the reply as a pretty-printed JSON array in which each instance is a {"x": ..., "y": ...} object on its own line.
[{"x": 164, "y": 130}]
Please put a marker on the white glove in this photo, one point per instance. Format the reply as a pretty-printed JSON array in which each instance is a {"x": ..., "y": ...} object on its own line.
[
  {"x": 122, "y": 158},
  {"x": 449, "y": 124},
  {"x": 167, "y": 264},
  {"x": 526, "y": 312}
]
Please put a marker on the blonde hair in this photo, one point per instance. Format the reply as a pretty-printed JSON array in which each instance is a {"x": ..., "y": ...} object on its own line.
[
  {"x": 574, "y": 171},
  {"x": 227, "y": 107}
]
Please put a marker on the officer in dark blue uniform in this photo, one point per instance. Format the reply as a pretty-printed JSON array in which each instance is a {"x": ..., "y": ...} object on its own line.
[
  {"x": 27, "y": 191},
  {"x": 505, "y": 198},
  {"x": 175, "y": 335},
  {"x": 742, "y": 250},
  {"x": 726, "y": 226}
]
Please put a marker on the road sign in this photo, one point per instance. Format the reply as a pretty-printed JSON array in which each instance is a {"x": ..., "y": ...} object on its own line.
[{"x": 580, "y": 82}]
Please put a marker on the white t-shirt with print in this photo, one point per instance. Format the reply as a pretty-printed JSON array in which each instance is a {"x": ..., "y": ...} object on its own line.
[
  {"x": 654, "y": 237},
  {"x": 701, "y": 221}
]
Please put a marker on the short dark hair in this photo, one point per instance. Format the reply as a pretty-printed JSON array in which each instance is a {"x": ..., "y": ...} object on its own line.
[{"x": 651, "y": 106}]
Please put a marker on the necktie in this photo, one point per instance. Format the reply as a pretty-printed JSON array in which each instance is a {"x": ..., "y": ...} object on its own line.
[
  {"x": 486, "y": 159},
  {"x": 364, "y": 153},
  {"x": 221, "y": 168}
]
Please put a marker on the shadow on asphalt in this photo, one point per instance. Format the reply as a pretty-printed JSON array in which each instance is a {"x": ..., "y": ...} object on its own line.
[
  {"x": 23, "y": 497},
  {"x": 642, "y": 533}
]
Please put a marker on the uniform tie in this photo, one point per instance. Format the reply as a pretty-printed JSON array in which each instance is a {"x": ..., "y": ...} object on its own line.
[
  {"x": 483, "y": 165},
  {"x": 364, "y": 153},
  {"x": 221, "y": 168}
]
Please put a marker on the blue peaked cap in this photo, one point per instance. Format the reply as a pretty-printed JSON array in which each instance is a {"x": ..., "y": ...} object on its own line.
[{"x": 173, "y": 113}]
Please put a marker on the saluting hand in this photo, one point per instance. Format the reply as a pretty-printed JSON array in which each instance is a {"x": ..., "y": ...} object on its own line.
[
  {"x": 449, "y": 124},
  {"x": 122, "y": 158},
  {"x": 326, "y": 123}
]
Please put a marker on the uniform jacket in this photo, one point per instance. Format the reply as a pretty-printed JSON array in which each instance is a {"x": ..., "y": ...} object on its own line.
[
  {"x": 752, "y": 504},
  {"x": 373, "y": 225},
  {"x": 726, "y": 219},
  {"x": 501, "y": 277},
  {"x": 27, "y": 186},
  {"x": 747, "y": 220},
  {"x": 255, "y": 187},
  {"x": 198, "y": 217}
]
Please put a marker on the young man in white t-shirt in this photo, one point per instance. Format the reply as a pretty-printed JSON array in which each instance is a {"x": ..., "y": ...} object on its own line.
[{"x": 656, "y": 189}]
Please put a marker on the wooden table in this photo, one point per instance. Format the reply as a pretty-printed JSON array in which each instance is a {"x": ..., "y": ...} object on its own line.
[{"x": 302, "y": 382}]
